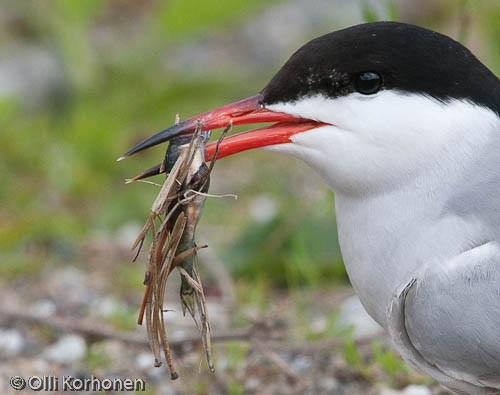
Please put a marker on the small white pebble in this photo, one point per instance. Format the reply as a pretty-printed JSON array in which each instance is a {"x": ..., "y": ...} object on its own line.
[
  {"x": 417, "y": 390},
  {"x": 66, "y": 350},
  {"x": 328, "y": 384},
  {"x": 40, "y": 365},
  {"x": 166, "y": 388},
  {"x": 43, "y": 308},
  {"x": 319, "y": 325},
  {"x": 389, "y": 391},
  {"x": 252, "y": 384},
  {"x": 11, "y": 342},
  {"x": 300, "y": 363},
  {"x": 108, "y": 306},
  {"x": 145, "y": 360},
  {"x": 353, "y": 314}
]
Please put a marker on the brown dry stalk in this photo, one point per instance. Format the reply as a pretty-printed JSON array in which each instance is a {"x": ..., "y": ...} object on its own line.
[
  {"x": 180, "y": 190},
  {"x": 183, "y": 255}
]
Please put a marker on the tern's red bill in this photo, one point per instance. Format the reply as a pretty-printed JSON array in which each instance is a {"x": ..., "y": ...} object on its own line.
[{"x": 246, "y": 111}]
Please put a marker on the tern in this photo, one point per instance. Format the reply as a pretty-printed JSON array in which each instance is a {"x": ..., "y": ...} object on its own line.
[{"x": 403, "y": 124}]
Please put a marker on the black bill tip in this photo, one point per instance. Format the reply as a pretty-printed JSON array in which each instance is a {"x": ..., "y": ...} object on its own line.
[
  {"x": 160, "y": 137},
  {"x": 155, "y": 170}
]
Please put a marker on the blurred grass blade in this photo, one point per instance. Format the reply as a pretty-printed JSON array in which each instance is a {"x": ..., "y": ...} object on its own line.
[
  {"x": 392, "y": 11},
  {"x": 368, "y": 13}
]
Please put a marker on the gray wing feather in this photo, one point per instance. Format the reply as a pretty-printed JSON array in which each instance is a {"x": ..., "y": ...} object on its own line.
[{"x": 446, "y": 321}]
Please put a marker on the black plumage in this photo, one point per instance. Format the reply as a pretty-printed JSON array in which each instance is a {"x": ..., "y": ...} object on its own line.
[{"x": 409, "y": 58}]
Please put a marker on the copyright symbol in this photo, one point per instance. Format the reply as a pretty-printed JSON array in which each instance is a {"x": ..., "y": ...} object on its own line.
[{"x": 17, "y": 382}]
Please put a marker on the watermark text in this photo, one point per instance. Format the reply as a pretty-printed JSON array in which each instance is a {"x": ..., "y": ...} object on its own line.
[{"x": 70, "y": 383}]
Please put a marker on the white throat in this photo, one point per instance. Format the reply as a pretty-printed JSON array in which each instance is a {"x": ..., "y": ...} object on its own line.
[{"x": 416, "y": 180}]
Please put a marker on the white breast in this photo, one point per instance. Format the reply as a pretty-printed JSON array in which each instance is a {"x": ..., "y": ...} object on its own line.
[{"x": 413, "y": 177}]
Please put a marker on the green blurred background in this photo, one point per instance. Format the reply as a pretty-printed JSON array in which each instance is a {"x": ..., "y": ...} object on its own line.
[{"x": 82, "y": 81}]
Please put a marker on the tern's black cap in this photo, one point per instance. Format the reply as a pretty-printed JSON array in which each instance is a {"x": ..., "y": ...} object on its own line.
[{"x": 408, "y": 58}]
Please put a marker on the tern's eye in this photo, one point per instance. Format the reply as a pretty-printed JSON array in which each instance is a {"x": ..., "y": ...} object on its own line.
[{"x": 368, "y": 82}]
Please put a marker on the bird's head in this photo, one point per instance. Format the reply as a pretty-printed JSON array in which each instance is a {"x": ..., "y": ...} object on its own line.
[{"x": 365, "y": 106}]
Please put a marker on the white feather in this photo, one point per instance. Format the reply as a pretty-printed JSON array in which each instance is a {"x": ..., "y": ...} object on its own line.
[{"x": 402, "y": 166}]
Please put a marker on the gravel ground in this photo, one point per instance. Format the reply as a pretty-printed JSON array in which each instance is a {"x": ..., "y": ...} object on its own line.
[{"x": 73, "y": 320}]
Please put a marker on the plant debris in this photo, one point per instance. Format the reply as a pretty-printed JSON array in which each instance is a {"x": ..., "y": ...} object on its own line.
[{"x": 174, "y": 215}]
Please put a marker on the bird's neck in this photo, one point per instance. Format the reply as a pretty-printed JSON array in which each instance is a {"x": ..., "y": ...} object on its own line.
[
  {"x": 387, "y": 237},
  {"x": 380, "y": 236},
  {"x": 416, "y": 181}
]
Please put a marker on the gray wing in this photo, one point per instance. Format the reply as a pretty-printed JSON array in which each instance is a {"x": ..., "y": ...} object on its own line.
[{"x": 446, "y": 321}]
